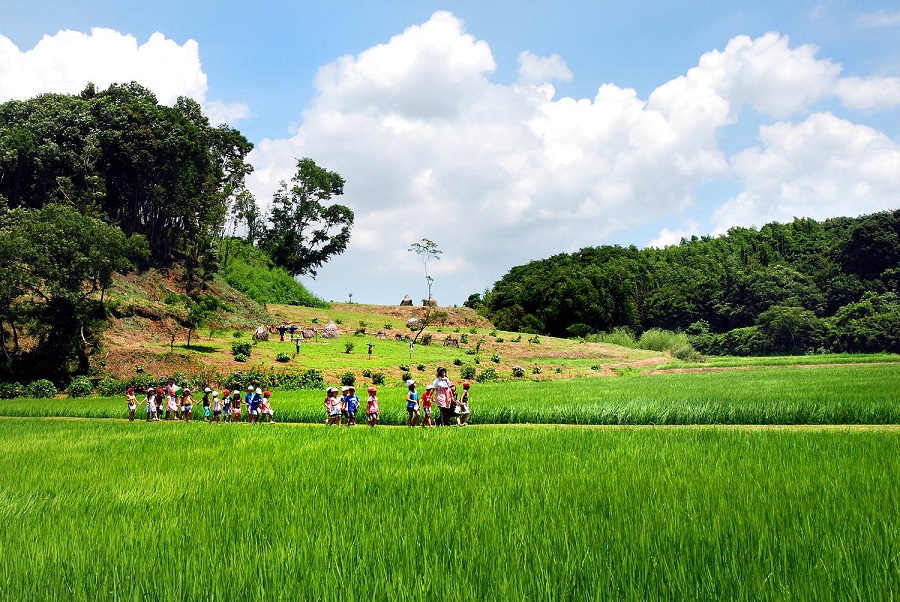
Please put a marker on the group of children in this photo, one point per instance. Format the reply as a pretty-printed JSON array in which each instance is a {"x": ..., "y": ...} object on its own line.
[
  {"x": 179, "y": 404},
  {"x": 452, "y": 409}
]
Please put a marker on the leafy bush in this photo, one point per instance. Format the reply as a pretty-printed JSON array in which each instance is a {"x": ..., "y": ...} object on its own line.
[
  {"x": 241, "y": 348},
  {"x": 420, "y": 367},
  {"x": 404, "y": 367},
  {"x": 237, "y": 334},
  {"x": 41, "y": 389},
  {"x": 282, "y": 357},
  {"x": 493, "y": 333},
  {"x": 473, "y": 330},
  {"x": 426, "y": 340},
  {"x": 81, "y": 386},
  {"x": 535, "y": 340},
  {"x": 500, "y": 339},
  {"x": 536, "y": 370},
  {"x": 457, "y": 362},
  {"x": 471, "y": 352},
  {"x": 10, "y": 390},
  {"x": 308, "y": 379},
  {"x": 495, "y": 358},
  {"x": 388, "y": 326},
  {"x": 518, "y": 371},
  {"x": 366, "y": 373},
  {"x": 464, "y": 339},
  {"x": 348, "y": 346},
  {"x": 240, "y": 357},
  {"x": 348, "y": 379},
  {"x": 467, "y": 373},
  {"x": 110, "y": 386},
  {"x": 377, "y": 378},
  {"x": 487, "y": 375},
  {"x": 657, "y": 339},
  {"x": 516, "y": 340},
  {"x": 405, "y": 376}
]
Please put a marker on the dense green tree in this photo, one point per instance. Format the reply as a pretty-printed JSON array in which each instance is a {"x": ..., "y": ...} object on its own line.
[
  {"x": 772, "y": 290},
  {"x": 305, "y": 231},
  {"x": 55, "y": 260}
]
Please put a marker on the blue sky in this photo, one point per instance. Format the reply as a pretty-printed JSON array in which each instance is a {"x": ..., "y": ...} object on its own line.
[{"x": 509, "y": 131}]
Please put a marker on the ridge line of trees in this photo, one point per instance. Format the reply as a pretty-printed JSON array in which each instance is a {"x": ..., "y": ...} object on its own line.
[{"x": 800, "y": 287}]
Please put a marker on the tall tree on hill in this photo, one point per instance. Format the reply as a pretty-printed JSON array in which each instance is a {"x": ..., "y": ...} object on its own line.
[{"x": 305, "y": 231}]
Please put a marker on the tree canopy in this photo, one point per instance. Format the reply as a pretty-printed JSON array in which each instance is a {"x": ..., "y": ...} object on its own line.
[
  {"x": 785, "y": 288},
  {"x": 305, "y": 231}
]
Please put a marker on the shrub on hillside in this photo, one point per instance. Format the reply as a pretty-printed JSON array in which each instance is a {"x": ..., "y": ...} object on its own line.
[
  {"x": 378, "y": 378},
  {"x": 110, "y": 386},
  {"x": 81, "y": 386},
  {"x": 518, "y": 371},
  {"x": 308, "y": 379},
  {"x": 282, "y": 357},
  {"x": 241, "y": 348},
  {"x": 467, "y": 373},
  {"x": 487, "y": 375},
  {"x": 420, "y": 367},
  {"x": 41, "y": 389},
  {"x": 348, "y": 379},
  {"x": 240, "y": 357}
]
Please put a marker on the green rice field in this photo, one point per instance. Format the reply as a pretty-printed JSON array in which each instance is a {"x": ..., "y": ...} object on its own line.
[
  {"x": 107, "y": 510},
  {"x": 837, "y": 394}
]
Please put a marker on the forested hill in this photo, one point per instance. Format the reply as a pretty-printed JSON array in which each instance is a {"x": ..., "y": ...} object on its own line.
[{"x": 799, "y": 287}]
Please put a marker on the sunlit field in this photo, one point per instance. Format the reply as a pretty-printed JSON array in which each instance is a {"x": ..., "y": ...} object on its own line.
[
  {"x": 106, "y": 510},
  {"x": 851, "y": 394}
]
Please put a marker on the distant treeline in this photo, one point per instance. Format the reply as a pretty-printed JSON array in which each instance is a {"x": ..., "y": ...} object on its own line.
[{"x": 801, "y": 287}]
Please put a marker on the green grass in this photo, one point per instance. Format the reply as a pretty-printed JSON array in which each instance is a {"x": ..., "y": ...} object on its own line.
[
  {"x": 106, "y": 510},
  {"x": 729, "y": 361},
  {"x": 853, "y": 394}
]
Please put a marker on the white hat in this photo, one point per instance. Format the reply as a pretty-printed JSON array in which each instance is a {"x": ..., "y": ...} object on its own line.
[
  {"x": 207, "y": 390},
  {"x": 330, "y": 389},
  {"x": 215, "y": 393},
  {"x": 410, "y": 382},
  {"x": 429, "y": 387},
  {"x": 344, "y": 389},
  {"x": 186, "y": 390},
  {"x": 258, "y": 391}
]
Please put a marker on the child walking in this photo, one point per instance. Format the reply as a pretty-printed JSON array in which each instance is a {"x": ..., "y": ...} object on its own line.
[
  {"x": 132, "y": 403},
  {"x": 372, "y": 407},
  {"x": 412, "y": 404},
  {"x": 216, "y": 408},
  {"x": 464, "y": 405},
  {"x": 187, "y": 404},
  {"x": 266, "y": 407},
  {"x": 351, "y": 405},
  {"x": 333, "y": 406},
  {"x": 427, "y": 401},
  {"x": 226, "y": 405},
  {"x": 150, "y": 400}
]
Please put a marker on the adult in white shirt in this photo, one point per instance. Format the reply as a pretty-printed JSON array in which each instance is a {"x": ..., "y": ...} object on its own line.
[{"x": 443, "y": 396}]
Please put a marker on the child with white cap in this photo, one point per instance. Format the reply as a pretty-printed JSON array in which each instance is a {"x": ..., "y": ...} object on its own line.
[{"x": 412, "y": 404}]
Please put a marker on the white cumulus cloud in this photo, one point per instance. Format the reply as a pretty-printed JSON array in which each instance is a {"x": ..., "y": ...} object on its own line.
[
  {"x": 540, "y": 69},
  {"x": 67, "y": 61},
  {"x": 501, "y": 174},
  {"x": 822, "y": 167}
]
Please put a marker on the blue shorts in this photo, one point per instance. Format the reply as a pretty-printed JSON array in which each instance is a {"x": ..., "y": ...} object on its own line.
[
  {"x": 412, "y": 406},
  {"x": 206, "y": 411}
]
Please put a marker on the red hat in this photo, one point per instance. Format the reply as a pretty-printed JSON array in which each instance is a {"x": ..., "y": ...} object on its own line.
[
  {"x": 130, "y": 390},
  {"x": 372, "y": 389},
  {"x": 226, "y": 392},
  {"x": 160, "y": 391},
  {"x": 466, "y": 385},
  {"x": 266, "y": 394}
]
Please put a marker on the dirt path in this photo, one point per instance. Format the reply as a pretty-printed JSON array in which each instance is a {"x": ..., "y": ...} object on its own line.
[{"x": 891, "y": 428}]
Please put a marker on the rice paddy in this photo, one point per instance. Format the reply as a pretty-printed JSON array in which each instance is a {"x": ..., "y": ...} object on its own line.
[
  {"x": 109, "y": 510},
  {"x": 845, "y": 394}
]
